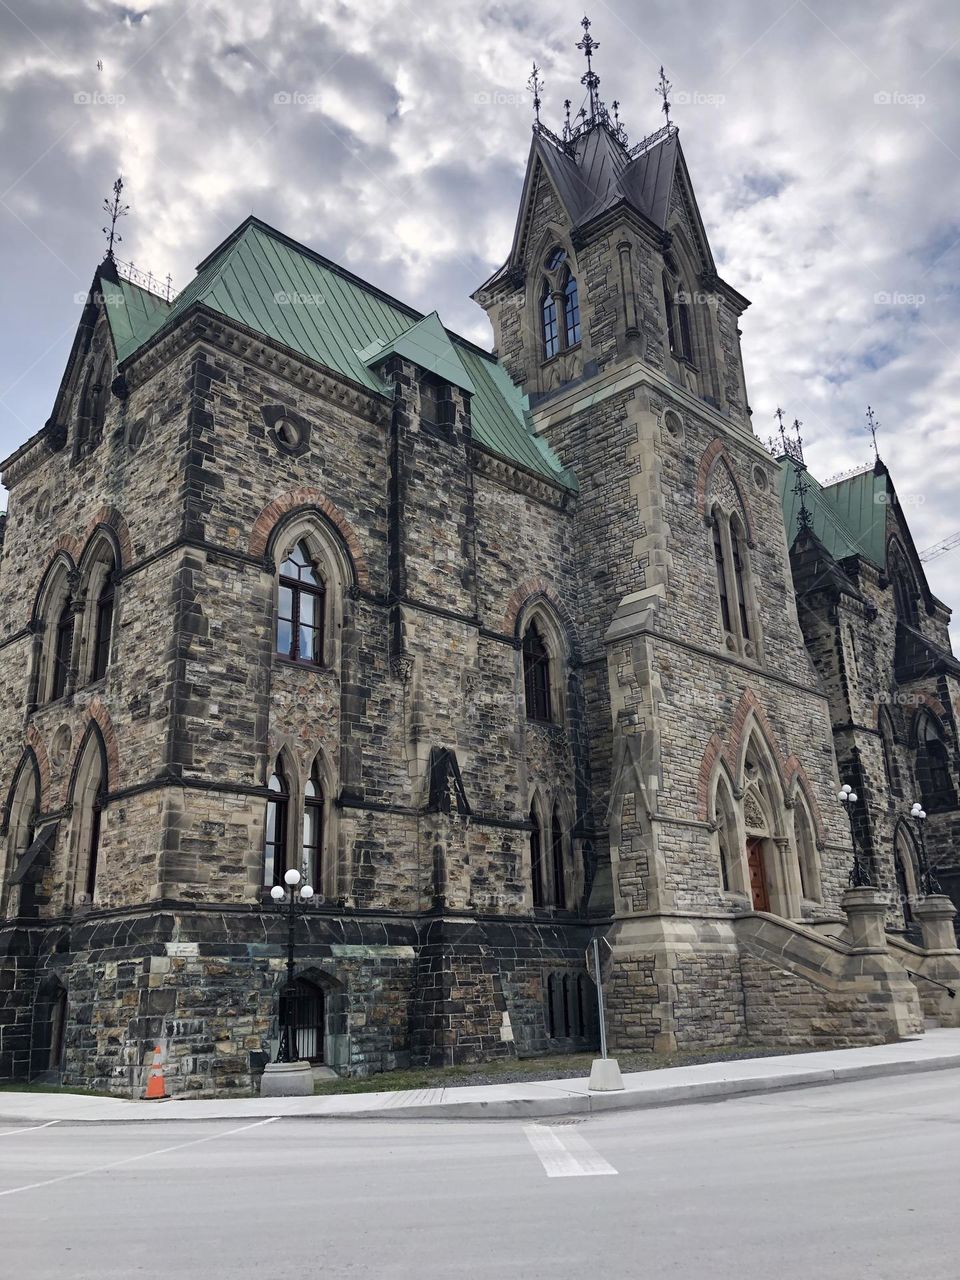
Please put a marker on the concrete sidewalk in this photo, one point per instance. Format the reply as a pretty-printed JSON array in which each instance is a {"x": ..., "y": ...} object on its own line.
[{"x": 937, "y": 1050}]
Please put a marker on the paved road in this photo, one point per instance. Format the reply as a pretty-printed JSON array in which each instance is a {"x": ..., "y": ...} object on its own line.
[{"x": 857, "y": 1181}]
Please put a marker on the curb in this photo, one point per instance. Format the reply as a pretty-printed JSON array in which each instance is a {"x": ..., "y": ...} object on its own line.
[
  {"x": 546, "y": 1108},
  {"x": 640, "y": 1100}
]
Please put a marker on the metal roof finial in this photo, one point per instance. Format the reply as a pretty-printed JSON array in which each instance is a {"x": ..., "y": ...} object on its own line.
[
  {"x": 536, "y": 85},
  {"x": 872, "y": 425},
  {"x": 566, "y": 123},
  {"x": 114, "y": 212},
  {"x": 663, "y": 88},
  {"x": 590, "y": 80}
]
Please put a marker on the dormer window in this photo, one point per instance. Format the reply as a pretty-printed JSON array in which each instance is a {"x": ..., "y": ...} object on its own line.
[
  {"x": 679, "y": 331},
  {"x": 559, "y": 305},
  {"x": 548, "y": 319},
  {"x": 571, "y": 311}
]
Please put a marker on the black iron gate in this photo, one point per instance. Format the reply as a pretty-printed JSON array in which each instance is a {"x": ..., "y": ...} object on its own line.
[{"x": 301, "y": 1009}]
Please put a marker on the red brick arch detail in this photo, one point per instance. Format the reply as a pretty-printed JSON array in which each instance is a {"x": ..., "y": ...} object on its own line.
[
  {"x": 34, "y": 739},
  {"x": 274, "y": 511},
  {"x": 98, "y": 713},
  {"x": 749, "y": 706},
  {"x": 713, "y": 753},
  {"x": 526, "y": 591},
  {"x": 714, "y": 452},
  {"x": 796, "y": 774},
  {"x": 112, "y": 518},
  {"x": 69, "y": 544},
  {"x": 936, "y": 706}
]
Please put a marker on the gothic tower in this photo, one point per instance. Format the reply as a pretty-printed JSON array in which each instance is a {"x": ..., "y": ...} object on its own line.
[{"x": 712, "y": 765}]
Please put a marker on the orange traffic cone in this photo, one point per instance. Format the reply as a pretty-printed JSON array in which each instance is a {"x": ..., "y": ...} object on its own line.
[{"x": 155, "y": 1086}]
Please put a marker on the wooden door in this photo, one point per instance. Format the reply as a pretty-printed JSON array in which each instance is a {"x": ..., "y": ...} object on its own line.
[{"x": 758, "y": 876}]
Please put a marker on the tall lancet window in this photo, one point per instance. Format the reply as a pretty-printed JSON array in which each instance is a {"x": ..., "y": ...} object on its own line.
[
  {"x": 275, "y": 833},
  {"x": 313, "y": 829},
  {"x": 571, "y": 312},
  {"x": 536, "y": 860},
  {"x": 548, "y": 320}
]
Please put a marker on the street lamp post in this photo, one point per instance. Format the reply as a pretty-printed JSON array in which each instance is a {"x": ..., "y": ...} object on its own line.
[
  {"x": 859, "y": 876},
  {"x": 287, "y": 1049},
  {"x": 928, "y": 881}
]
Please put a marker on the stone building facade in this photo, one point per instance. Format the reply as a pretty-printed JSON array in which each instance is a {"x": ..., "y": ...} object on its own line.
[
  {"x": 499, "y": 651},
  {"x": 880, "y": 640}
]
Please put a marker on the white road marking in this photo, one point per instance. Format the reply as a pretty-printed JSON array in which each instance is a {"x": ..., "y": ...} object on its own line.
[
  {"x": 28, "y": 1128},
  {"x": 564, "y": 1153},
  {"x": 115, "y": 1164}
]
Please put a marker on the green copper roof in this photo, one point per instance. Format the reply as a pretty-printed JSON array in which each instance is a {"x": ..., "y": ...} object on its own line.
[
  {"x": 848, "y": 518},
  {"x": 134, "y": 314},
  {"x": 293, "y": 296},
  {"x": 426, "y": 345}
]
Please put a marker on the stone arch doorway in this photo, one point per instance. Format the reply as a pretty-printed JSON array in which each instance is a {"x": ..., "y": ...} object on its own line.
[
  {"x": 48, "y": 1041},
  {"x": 303, "y": 1011},
  {"x": 320, "y": 1006}
]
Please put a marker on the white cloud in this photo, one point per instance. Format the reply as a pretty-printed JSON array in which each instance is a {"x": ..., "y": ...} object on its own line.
[{"x": 822, "y": 142}]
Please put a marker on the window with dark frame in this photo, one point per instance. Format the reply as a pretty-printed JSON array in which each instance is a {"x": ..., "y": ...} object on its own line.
[
  {"x": 300, "y": 608},
  {"x": 536, "y": 676},
  {"x": 275, "y": 828},
  {"x": 62, "y": 651},
  {"x": 740, "y": 578},
  {"x": 550, "y": 327},
  {"x": 571, "y": 311},
  {"x": 103, "y": 628},
  {"x": 93, "y": 851},
  {"x": 721, "y": 574},
  {"x": 556, "y": 844},
  {"x": 536, "y": 860},
  {"x": 313, "y": 829}
]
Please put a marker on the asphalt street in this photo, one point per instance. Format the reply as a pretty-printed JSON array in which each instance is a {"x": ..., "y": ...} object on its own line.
[{"x": 856, "y": 1181}]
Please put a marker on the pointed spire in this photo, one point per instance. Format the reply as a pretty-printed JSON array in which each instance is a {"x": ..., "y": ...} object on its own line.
[
  {"x": 536, "y": 86},
  {"x": 114, "y": 211},
  {"x": 590, "y": 80},
  {"x": 872, "y": 425},
  {"x": 663, "y": 88}
]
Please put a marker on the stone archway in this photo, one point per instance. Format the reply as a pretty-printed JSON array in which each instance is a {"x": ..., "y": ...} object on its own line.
[{"x": 48, "y": 1036}]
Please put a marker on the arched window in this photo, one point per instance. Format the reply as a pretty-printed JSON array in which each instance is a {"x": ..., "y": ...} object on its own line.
[
  {"x": 536, "y": 675},
  {"x": 313, "y": 830},
  {"x": 556, "y": 847},
  {"x": 571, "y": 311},
  {"x": 933, "y": 767},
  {"x": 22, "y": 815},
  {"x": 89, "y": 805},
  {"x": 904, "y": 599},
  {"x": 536, "y": 860},
  {"x": 103, "y": 628},
  {"x": 62, "y": 651},
  {"x": 683, "y": 326},
  {"x": 720, "y": 562},
  {"x": 548, "y": 322},
  {"x": 732, "y": 568},
  {"x": 301, "y": 608},
  {"x": 275, "y": 828},
  {"x": 887, "y": 744},
  {"x": 806, "y": 847},
  {"x": 566, "y": 1004},
  {"x": 740, "y": 578},
  {"x": 92, "y": 409},
  {"x": 727, "y": 838},
  {"x": 673, "y": 329}
]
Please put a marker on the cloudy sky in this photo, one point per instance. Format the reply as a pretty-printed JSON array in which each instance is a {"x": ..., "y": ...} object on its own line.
[{"x": 823, "y": 142}]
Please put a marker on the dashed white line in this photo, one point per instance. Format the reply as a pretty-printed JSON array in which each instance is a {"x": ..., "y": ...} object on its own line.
[
  {"x": 116, "y": 1164},
  {"x": 29, "y": 1128},
  {"x": 566, "y": 1153}
]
